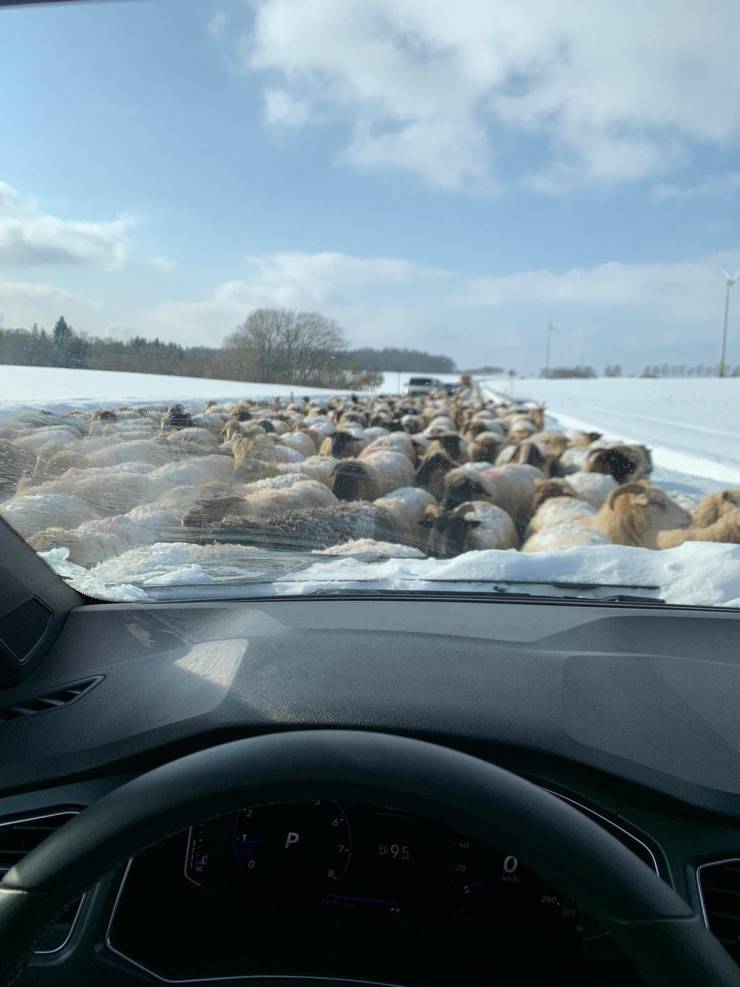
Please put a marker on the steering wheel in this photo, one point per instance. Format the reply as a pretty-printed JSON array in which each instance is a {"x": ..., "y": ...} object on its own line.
[{"x": 665, "y": 939}]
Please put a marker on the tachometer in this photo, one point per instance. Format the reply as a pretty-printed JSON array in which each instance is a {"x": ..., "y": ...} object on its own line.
[{"x": 288, "y": 852}]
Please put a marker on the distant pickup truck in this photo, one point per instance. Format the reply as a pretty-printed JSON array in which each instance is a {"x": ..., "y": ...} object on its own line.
[{"x": 421, "y": 385}]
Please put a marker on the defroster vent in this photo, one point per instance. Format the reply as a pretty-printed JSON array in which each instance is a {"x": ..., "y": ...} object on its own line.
[
  {"x": 17, "y": 838},
  {"x": 719, "y": 886},
  {"x": 49, "y": 700}
]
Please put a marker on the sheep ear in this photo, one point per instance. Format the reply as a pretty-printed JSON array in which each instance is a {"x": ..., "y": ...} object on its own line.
[{"x": 725, "y": 495}]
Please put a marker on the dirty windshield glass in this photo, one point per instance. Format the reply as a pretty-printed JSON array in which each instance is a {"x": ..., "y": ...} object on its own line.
[{"x": 308, "y": 296}]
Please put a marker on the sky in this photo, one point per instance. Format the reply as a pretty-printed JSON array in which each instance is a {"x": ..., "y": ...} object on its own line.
[{"x": 449, "y": 177}]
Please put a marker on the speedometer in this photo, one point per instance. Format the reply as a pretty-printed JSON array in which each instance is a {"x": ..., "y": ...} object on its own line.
[{"x": 289, "y": 852}]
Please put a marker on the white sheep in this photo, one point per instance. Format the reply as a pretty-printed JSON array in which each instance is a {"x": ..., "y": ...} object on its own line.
[
  {"x": 473, "y": 526},
  {"x": 594, "y": 488},
  {"x": 34, "y": 512},
  {"x": 563, "y": 536}
]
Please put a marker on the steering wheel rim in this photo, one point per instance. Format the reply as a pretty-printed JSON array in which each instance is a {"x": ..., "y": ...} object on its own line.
[{"x": 657, "y": 929}]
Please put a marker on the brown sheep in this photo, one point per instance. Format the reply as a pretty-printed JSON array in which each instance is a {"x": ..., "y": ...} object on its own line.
[
  {"x": 712, "y": 507},
  {"x": 547, "y": 489},
  {"x": 14, "y": 463},
  {"x": 485, "y": 447},
  {"x": 725, "y": 529},
  {"x": 626, "y": 463},
  {"x": 635, "y": 513},
  {"x": 526, "y": 453},
  {"x": 510, "y": 487}
]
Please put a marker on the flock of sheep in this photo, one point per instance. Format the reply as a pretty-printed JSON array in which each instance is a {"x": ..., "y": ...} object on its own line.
[{"x": 433, "y": 475}]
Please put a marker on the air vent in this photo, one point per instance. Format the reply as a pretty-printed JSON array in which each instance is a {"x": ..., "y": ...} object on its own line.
[
  {"x": 719, "y": 887},
  {"x": 49, "y": 700},
  {"x": 17, "y": 838}
]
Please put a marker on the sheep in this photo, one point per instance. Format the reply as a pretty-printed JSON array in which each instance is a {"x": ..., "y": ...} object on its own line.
[
  {"x": 634, "y": 514},
  {"x": 258, "y": 445},
  {"x": 562, "y": 537},
  {"x": 544, "y": 490},
  {"x": 625, "y": 463},
  {"x": 139, "y": 451},
  {"x": 594, "y": 488},
  {"x": 176, "y": 417},
  {"x": 372, "y": 477},
  {"x": 472, "y": 526},
  {"x": 396, "y": 442},
  {"x": 312, "y": 529},
  {"x": 550, "y": 442},
  {"x": 558, "y": 511},
  {"x": 14, "y": 463},
  {"x": 34, "y": 512},
  {"x": 714, "y": 506},
  {"x": 456, "y": 447},
  {"x": 521, "y": 428},
  {"x": 49, "y": 440},
  {"x": 430, "y": 475},
  {"x": 345, "y": 443},
  {"x": 94, "y": 541},
  {"x": 526, "y": 452},
  {"x": 725, "y": 529},
  {"x": 301, "y": 441},
  {"x": 509, "y": 487},
  {"x": 261, "y": 499},
  {"x": 200, "y": 437},
  {"x": 407, "y": 505},
  {"x": 485, "y": 446}
]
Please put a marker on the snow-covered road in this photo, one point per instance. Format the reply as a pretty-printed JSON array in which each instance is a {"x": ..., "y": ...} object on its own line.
[{"x": 692, "y": 426}]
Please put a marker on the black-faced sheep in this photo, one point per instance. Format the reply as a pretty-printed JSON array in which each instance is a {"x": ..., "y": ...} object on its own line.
[{"x": 472, "y": 526}]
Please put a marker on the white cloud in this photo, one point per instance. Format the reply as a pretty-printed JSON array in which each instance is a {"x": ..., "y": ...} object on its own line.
[
  {"x": 613, "y": 92},
  {"x": 683, "y": 290},
  {"x": 218, "y": 25},
  {"x": 29, "y": 238},
  {"x": 24, "y": 302},
  {"x": 282, "y": 109},
  {"x": 713, "y": 186},
  {"x": 164, "y": 264},
  {"x": 9, "y": 198},
  {"x": 291, "y": 279}
]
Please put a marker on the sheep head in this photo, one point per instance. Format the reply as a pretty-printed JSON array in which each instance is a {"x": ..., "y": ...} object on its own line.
[
  {"x": 448, "y": 529},
  {"x": 547, "y": 489},
  {"x": 624, "y": 463}
]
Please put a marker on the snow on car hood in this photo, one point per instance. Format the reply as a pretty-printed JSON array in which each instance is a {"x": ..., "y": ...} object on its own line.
[{"x": 694, "y": 574}]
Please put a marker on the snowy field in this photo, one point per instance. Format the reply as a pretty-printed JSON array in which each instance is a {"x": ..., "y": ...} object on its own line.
[
  {"x": 692, "y": 426},
  {"x": 60, "y": 389}
]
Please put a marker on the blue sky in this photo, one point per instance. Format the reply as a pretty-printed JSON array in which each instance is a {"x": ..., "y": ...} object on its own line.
[{"x": 433, "y": 175}]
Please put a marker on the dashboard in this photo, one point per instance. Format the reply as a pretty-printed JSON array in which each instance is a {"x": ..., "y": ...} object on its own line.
[
  {"x": 629, "y": 712},
  {"x": 357, "y": 891}
]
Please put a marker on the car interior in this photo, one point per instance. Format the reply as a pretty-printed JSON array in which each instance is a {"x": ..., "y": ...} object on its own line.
[
  {"x": 365, "y": 788},
  {"x": 412, "y": 786}
]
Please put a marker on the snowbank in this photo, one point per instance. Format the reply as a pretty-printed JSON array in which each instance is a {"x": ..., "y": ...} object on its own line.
[
  {"x": 692, "y": 425},
  {"x": 58, "y": 389},
  {"x": 695, "y": 574}
]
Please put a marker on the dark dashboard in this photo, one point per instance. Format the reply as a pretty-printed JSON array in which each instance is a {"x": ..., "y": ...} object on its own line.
[
  {"x": 329, "y": 878},
  {"x": 628, "y": 712}
]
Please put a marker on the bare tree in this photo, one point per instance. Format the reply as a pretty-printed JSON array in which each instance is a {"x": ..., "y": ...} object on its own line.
[{"x": 287, "y": 347}]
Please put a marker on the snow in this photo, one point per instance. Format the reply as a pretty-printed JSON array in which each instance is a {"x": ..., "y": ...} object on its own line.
[
  {"x": 691, "y": 425},
  {"x": 696, "y": 573},
  {"x": 59, "y": 389}
]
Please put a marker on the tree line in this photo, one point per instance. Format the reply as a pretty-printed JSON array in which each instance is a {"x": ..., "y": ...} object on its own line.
[{"x": 271, "y": 345}]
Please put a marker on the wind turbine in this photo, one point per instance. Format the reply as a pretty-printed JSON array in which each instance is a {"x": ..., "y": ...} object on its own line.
[
  {"x": 550, "y": 329},
  {"x": 730, "y": 280}
]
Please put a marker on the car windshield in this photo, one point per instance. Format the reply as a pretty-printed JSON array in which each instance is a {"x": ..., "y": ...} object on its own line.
[{"x": 309, "y": 296}]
